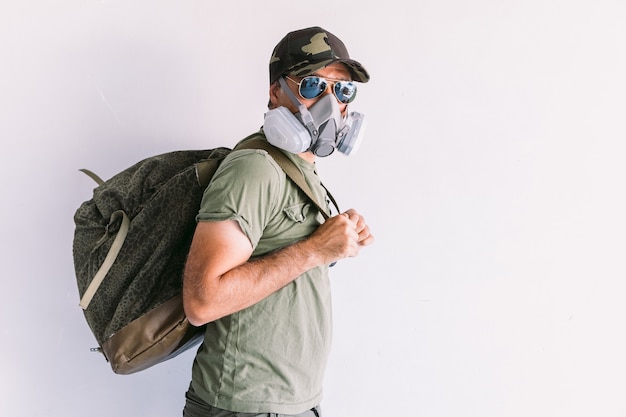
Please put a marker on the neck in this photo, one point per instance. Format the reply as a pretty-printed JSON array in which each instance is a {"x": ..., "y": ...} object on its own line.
[{"x": 308, "y": 156}]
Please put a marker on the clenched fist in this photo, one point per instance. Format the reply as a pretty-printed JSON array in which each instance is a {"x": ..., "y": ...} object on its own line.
[{"x": 341, "y": 236}]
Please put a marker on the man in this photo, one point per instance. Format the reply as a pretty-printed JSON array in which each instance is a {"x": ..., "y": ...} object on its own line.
[{"x": 257, "y": 270}]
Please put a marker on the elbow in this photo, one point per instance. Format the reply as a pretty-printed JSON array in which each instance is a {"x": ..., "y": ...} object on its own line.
[
  {"x": 194, "y": 313},
  {"x": 192, "y": 305},
  {"x": 199, "y": 312},
  {"x": 195, "y": 320},
  {"x": 197, "y": 304}
]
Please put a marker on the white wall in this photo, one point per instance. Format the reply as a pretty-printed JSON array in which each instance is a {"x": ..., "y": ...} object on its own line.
[{"x": 492, "y": 176}]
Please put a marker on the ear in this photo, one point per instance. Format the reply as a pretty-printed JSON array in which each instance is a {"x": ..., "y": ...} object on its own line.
[{"x": 275, "y": 91}]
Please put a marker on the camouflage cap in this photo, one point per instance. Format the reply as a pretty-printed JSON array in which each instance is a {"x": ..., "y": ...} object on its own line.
[{"x": 302, "y": 52}]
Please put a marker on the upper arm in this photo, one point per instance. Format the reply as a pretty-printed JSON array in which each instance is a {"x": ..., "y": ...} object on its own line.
[
  {"x": 216, "y": 248},
  {"x": 244, "y": 188},
  {"x": 233, "y": 214}
]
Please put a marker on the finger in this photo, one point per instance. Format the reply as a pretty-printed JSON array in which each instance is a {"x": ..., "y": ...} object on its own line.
[
  {"x": 358, "y": 221},
  {"x": 353, "y": 216},
  {"x": 364, "y": 232},
  {"x": 361, "y": 225},
  {"x": 351, "y": 219},
  {"x": 367, "y": 241}
]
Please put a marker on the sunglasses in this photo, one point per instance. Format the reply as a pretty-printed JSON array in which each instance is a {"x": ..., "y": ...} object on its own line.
[{"x": 313, "y": 86}]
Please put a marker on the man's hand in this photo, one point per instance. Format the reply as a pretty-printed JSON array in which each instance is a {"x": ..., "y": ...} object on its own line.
[{"x": 341, "y": 236}]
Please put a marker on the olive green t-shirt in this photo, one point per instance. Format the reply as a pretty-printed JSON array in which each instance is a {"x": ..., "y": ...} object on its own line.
[{"x": 271, "y": 356}]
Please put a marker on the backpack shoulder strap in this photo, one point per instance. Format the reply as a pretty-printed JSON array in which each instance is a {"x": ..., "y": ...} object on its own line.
[{"x": 291, "y": 170}]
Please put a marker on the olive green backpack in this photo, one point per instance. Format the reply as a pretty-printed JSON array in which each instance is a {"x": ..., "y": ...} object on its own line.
[{"x": 130, "y": 245}]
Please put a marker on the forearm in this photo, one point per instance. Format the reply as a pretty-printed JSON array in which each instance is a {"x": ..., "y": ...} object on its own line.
[
  {"x": 246, "y": 284},
  {"x": 220, "y": 279}
]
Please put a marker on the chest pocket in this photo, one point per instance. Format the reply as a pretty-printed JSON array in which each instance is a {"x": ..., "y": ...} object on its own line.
[{"x": 297, "y": 212}]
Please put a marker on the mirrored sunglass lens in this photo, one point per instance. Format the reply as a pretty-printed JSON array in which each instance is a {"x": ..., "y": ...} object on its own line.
[
  {"x": 311, "y": 87},
  {"x": 345, "y": 91}
]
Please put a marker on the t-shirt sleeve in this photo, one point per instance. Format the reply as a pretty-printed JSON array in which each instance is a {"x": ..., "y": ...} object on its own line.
[{"x": 244, "y": 189}]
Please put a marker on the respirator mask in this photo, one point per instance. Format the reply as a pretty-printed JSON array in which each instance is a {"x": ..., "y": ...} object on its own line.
[{"x": 320, "y": 129}]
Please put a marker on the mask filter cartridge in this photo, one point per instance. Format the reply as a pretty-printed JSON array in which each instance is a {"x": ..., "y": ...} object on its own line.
[{"x": 285, "y": 131}]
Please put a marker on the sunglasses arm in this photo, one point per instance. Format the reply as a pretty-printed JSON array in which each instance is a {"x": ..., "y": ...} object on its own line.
[{"x": 305, "y": 116}]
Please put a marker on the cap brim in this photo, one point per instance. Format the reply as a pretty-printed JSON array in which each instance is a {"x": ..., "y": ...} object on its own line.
[{"x": 357, "y": 71}]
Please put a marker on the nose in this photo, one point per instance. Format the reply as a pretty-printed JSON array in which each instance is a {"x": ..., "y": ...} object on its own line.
[{"x": 330, "y": 88}]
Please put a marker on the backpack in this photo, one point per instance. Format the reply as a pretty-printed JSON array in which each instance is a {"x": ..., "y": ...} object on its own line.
[{"x": 130, "y": 245}]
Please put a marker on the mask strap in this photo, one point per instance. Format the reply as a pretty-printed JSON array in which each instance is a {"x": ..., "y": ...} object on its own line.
[{"x": 306, "y": 117}]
